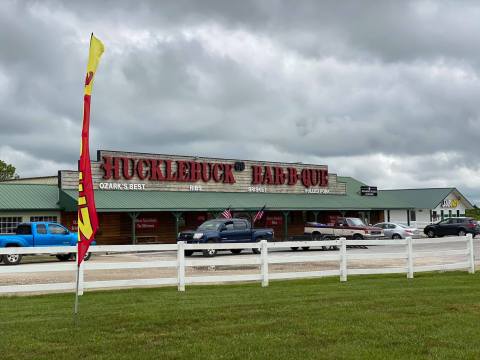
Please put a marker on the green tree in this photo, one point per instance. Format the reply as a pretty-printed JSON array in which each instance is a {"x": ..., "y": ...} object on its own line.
[
  {"x": 7, "y": 171},
  {"x": 475, "y": 212}
]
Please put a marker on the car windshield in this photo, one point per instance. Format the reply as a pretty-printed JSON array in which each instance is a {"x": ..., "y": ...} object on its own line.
[
  {"x": 355, "y": 222},
  {"x": 210, "y": 225}
]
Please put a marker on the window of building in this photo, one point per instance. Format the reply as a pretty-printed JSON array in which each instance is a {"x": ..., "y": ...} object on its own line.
[
  {"x": 43, "y": 218},
  {"x": 9, "y": 224},
  {"x": 413, "y": 215}
]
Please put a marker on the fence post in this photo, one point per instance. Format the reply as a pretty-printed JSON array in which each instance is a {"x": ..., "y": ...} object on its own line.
[
  {"x": 409, "y": 258},
  {"x": 471, "y": 254},
  {"x": 343, "y": 259},
  {"x": 81, "y": 278},
  {"x": 264, "y": 262},
  {"x": 181, "y": 265}
]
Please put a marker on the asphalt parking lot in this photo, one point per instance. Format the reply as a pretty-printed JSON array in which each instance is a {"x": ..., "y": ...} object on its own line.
[{"x": 94, "y": 275}]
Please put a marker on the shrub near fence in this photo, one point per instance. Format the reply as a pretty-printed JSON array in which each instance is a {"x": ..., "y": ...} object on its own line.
[
  {"x": 264, "y": 259},
  {"x": 474, "y": 213}
]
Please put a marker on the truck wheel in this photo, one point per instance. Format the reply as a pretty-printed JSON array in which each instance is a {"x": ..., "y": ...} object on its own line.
[
  {"x": 316, "y": 236},
  {"x": 87, "y": 256},
  {"x": 12, "y": 259},
  {"x": 236, "y": 251},
  {"x": 359, "y": 237},
  {"x": 64, "y": 257},
  {"x": 257, "y": 251},
  {"x": 209, "y": 252}
]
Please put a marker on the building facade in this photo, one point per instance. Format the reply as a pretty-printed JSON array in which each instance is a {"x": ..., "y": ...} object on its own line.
[{"x": 151, "y": 197}]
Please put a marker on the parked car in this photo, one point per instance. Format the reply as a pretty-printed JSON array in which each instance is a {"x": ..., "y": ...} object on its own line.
[
  {"x": 397, "y": 231},
  {"x": 453, "y": 226},
  {"x": 224, "y": 231},
  {"x": 38, "y": 234},
  {"x": 349, "y": 227}
]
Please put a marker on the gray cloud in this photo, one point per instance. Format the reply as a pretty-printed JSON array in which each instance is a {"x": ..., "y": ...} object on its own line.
[{"x": 386, "y": 91}]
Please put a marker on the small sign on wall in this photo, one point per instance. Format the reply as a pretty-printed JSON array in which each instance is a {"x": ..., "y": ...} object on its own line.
[
  {"x": 146, "y": 224},
  {"x": 274, "y": 220},
  {"x": 74, "y": 225},
  {"x": 452, "y": 203},
  {"x": 368, "y": 191}
]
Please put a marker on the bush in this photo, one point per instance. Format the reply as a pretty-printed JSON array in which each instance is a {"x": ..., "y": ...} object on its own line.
[{"x": 475, "y": 213}]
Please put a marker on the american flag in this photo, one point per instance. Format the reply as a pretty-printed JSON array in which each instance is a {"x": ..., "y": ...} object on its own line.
[
  {"x": 259, "y": 214},
  {"x": 227, "y": 214}
]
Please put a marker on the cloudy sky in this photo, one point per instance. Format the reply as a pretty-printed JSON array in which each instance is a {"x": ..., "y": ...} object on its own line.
[{"x": 384, "y": 91}]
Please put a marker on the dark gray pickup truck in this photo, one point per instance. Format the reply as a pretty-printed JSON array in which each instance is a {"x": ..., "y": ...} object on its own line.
[{"x": 224, "y": 231}]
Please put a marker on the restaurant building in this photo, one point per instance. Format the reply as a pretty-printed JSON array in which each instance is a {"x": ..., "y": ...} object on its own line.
[{"x": 151, "y": 197}]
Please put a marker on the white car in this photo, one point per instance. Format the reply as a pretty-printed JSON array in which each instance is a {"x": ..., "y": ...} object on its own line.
[{"x": 397, "y": 231}]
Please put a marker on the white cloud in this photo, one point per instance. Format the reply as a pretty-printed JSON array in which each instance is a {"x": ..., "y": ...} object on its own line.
[
  {"x": 28, "y": 165},
  {"x": 380, "y": 92}
]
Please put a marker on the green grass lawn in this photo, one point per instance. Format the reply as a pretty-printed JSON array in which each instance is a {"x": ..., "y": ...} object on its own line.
[{"x": 369, "y": 317}]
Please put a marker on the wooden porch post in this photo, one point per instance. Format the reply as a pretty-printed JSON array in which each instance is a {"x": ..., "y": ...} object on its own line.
[
  {"x": 177, "y": 221},
  {"x": 285, "y": 225},
  {"x": 134, "y": 216}
]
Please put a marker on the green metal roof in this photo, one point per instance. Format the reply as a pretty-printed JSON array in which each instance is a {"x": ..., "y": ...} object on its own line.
[
  {"x": 49, "y": 197},
  {"x": 168, "y": 200},
  {"x": 28, "y": 197},
  {"x": 421, "y": 198}
]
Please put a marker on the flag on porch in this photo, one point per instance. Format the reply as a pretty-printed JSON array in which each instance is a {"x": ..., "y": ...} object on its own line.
[
  {"x": 259, "y": 214},
  {"x": 87, "y": 213},
  {"x": 227, "y": 214}
]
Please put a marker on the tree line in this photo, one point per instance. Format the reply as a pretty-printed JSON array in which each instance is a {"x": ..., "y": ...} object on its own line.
[{"x": 7, "y": 171}]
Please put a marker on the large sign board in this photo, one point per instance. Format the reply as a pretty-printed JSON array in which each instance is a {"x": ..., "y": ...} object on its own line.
[{"x": 143, "y": 172}]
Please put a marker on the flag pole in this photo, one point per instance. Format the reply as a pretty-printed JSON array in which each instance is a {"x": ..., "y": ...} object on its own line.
[{"x": 75, "y": 311}]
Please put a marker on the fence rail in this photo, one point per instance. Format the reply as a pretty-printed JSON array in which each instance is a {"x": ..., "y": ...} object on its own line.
[{"x": 264, "y": 259}]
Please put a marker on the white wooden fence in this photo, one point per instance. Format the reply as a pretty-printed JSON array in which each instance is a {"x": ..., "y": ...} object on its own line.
[{"x": 264, "y": 259}]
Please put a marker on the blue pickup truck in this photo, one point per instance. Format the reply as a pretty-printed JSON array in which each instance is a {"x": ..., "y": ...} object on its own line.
[
  {"x": 38, "y": 234},
  {"x": 224, "y": 231}
]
